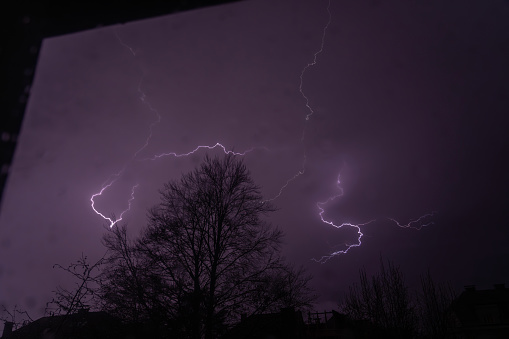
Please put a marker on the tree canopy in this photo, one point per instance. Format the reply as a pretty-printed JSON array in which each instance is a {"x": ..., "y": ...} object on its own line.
[{"x": 206, "y": 256}]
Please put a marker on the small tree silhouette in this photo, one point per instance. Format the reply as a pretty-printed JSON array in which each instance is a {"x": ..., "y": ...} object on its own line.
[
  {"x": 383, "y": 303},
  {"x": 14, "y": 318},
  {"x": 83, "y": 295},
  {"x": 434, "y": 306}
]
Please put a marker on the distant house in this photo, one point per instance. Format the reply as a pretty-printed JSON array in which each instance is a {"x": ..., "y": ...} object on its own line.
[
  {"x": 330, "y": 325},
  {"x": 482, "y": 313},
  {"x": 81, "y": 325},
  {"x": 287, "y": 324}
]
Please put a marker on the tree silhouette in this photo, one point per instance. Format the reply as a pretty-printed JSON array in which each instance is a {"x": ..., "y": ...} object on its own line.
[
  {"x": 83, "y": 294},
  {"x": 434, "y": 307},
  {"x": 206, "y": 256},
  {"x": 15, "y": 318},
  {"x": 383, "y": 303},
  {"x": 384, "y": 307}
]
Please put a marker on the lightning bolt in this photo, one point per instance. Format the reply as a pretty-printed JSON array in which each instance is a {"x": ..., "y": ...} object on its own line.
[
  {"x": 217, "y": 145},
  {"x": 321, "y": 208},
  {"x": 114, "y": 177},
  {"x": 124, "y": 44},
  {"x": 104, "y": 188},
  {"x": 418, "y": 223},
  {"x": 321, "y": 205},
  {"x": 302, "y": 170},
  {"x": 313, "y": 63}
]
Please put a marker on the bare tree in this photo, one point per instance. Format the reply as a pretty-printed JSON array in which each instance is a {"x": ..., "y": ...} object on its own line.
[
  {"x": 83, "y": 295},
  {"x": 434, "y": 302},
  {"x": 281, "y": 288},
  {"x": 206, "y": 256},
  {"x": 16, "y": 317},
  {"x": 383, "y": 303},
  {"x": 122, "y": 290}
]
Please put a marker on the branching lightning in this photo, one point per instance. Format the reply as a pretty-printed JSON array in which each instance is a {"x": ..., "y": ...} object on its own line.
[
  {"x": 114, "y": 177},
  {"x": 217, "y": 145},
  {"x": 418, "y": 223},
  {"x": 321, "y": 208},
  {"x": 105, "y": 187},
  {"x": 312, "y": 63},
  {"x": 302, "y": 170},
  {"x": 321, "y": 205}
]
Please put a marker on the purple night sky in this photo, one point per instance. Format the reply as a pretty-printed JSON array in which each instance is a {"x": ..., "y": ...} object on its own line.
[{"x": 410, "y": 101}]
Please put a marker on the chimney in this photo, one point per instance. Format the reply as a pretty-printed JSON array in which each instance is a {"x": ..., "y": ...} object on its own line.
[{"x": 7, "y": 329}]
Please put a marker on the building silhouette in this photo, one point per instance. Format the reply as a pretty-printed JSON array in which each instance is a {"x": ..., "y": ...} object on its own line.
[
  {"x": 80, "y": 325},
  {"x": 481, "y": 313}
]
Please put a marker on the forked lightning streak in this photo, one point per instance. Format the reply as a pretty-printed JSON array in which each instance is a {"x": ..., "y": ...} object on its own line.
[{"x": 418, "y": 223}]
